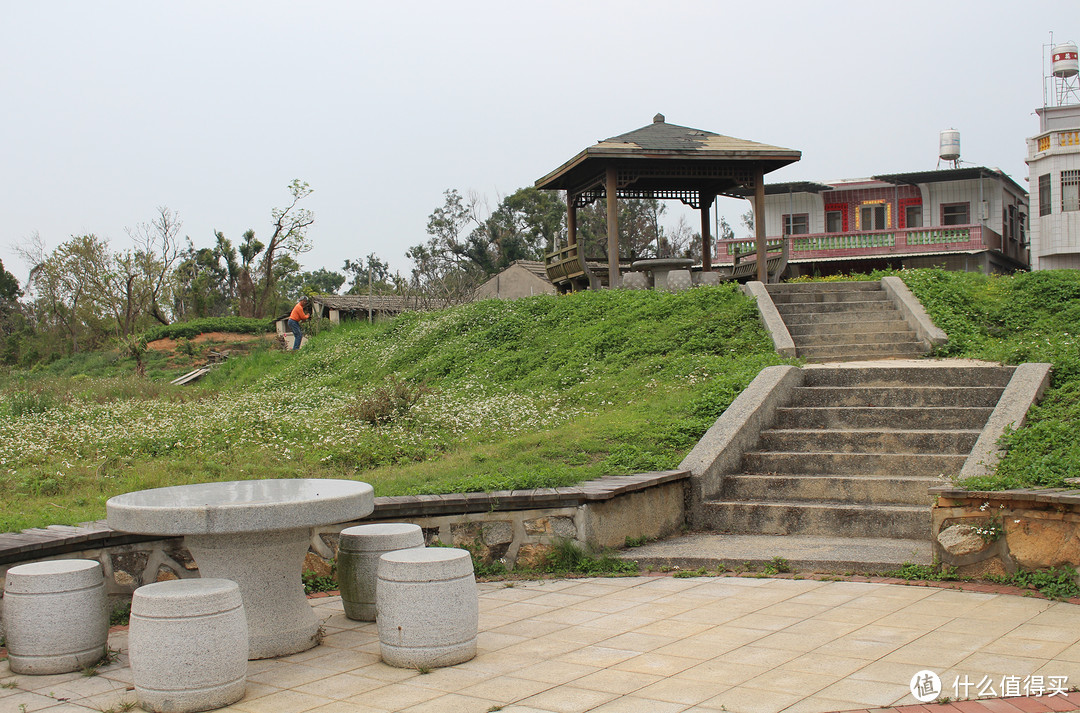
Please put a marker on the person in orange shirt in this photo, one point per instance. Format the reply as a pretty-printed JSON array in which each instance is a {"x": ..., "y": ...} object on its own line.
[{"x": 300, "y": 312}]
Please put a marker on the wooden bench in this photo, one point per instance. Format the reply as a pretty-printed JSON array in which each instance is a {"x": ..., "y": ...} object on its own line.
[{"x": 743, "y": 270}]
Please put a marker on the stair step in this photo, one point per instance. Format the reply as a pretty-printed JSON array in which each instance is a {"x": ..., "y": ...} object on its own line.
[
  {"x": 859, "y": 325},
  {"x": 877, "y": 396},
  {"x": 910, "y": 418},
  {"x": 894, "y": 490},
  {"x": 783, "y": 287},
  {"x": 928, "y": 465},
  {"x": 829, "y": 296},
  {"x": 828, "y": 352},
  {"x": 866, "y": 555},
  {"x": 869, "y": 441},
  {"x": 909, "y": 376},
  {"x": 837, "y": 338},
  {"x": 789, "y": 517},
  {"x": 833, "y": 307},
  {"x": 853, "y": 317}
]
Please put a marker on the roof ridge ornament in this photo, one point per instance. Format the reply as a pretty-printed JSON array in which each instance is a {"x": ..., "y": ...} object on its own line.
[{"x": 658, "y": 119}]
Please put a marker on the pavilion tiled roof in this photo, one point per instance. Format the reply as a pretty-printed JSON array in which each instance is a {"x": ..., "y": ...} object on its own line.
[
  {"x": 671, "y": 146},
  {"x": 662, "y": 136}
]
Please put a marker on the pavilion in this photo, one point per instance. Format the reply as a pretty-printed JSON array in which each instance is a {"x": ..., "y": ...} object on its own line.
[{"x": 664, "y": 161}]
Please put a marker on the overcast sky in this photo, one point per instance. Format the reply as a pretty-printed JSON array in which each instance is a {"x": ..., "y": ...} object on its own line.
[{"x": 111, "y": 109}]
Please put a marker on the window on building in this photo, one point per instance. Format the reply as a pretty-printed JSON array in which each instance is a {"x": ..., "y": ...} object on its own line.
[
  {"x": 913, "y": 216},
  {"x": 834, "y": 221},
  {"x": 1045, "y": 197},
  {"x": 1070, "y": 190},
  {"x": 872, "y": 217},
  {"x": 798, "y": 224},
  {"x": 955, "y": 214}
]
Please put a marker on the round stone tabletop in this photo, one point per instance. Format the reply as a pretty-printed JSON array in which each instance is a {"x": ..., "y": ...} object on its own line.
[{"x": 240, "y": 506}]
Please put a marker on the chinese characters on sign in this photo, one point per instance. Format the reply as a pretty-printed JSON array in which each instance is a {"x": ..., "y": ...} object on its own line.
[{"x": 926, "y": 686}]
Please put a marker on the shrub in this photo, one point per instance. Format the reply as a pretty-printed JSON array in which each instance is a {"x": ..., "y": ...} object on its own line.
[
  {"x": 388, "y": 402},
  {"x": 189, "y": 330}
]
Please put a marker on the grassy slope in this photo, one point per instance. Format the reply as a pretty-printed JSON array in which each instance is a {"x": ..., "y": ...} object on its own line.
[{"x": 538, "y": 392}]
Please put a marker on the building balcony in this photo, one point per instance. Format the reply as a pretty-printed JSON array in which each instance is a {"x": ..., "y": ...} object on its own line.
[{"x": 899, "y": 242}]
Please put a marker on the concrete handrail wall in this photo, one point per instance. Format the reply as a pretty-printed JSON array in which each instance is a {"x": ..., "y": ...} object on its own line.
[
  {"x": 1025, "y": 388},
  {"x": 770, "y": 317},
  {"x": 720, "y": 450},
  {"x": 913, "y": 311}
]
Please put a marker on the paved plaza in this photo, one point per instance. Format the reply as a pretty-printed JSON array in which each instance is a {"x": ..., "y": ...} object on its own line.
[{"x": 656, "y": 644}]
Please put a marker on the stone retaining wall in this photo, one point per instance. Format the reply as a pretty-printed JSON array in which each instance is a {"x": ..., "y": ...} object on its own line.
[
  {"x": 515, "y": 527},
  {"x": 999, "y": 532}
]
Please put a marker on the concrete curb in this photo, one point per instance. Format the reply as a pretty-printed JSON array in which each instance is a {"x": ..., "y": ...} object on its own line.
[
  {"x": 1026, "y": 387},
  {"x": 720, "y": 450},
  {"x": 770, "y": 317},
  {"x": 913, "y": 311}
]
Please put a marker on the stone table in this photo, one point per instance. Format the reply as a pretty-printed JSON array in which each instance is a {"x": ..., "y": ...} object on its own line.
[
  {"x": 667, "y": 273},
  {"x": 256, "y": 533}
]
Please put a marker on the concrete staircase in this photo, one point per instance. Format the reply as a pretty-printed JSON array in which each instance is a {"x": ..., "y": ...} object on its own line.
[
  {"x": 838, "y": 481},
  {"x": 844, "y": 321}
]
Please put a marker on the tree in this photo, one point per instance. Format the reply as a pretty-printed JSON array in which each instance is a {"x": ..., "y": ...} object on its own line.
[
  {"x": 297, "y": 284},
  {"x": 13, "y": 324},
  {"x": 368, "y": 269},
  {"x": 158, "y": 249},
  {"x": 639, "y": 228},
  {"x": 747, "y": 219},
  {"x": 289, "y": 237},
  {"x": 525, "y": 225},
  {"x": 9, "y": 286},
  {"x": 448, "y": 267}
]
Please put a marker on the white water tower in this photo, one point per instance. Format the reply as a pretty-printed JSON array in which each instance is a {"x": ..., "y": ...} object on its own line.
[
  {"x": 1064, "y": 71},
  {"x": 949, "y": 147}
]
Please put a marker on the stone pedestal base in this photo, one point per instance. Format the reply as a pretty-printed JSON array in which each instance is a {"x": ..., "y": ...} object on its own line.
[{"x": 266, "y": 566}]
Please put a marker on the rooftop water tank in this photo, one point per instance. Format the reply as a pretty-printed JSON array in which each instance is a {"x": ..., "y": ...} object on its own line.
[
  {"x": 1065, "y": 60},
  {"x": 949, "y": 146}
]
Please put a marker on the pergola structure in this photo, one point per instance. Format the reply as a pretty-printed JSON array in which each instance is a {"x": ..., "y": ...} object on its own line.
[{"x": 666, "y": 161}]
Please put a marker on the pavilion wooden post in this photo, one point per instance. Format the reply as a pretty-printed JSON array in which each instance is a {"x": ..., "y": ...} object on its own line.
[
  {"x": 610, "y": 187},
  {"x": 759, "y": 223},
  {"x": 706, "y": 237},
  {"x": 571, "y": 220}
]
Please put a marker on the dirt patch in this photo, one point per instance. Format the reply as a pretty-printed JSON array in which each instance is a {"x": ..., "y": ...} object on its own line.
[{"x": 168, "y": 345}]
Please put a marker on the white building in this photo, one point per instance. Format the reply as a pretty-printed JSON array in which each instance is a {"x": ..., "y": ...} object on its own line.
[{"x": 1054, "y": 171}]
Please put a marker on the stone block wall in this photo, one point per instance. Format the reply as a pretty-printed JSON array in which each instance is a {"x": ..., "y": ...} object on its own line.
[{"x": 1000, "y": 532}]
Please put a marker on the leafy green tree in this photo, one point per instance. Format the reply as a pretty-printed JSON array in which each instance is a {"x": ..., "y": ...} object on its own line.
[
  {"x": 640, "y": 231},
  {"x": 525, "y": 224},
  {"x": 13, "y": 324},
  {"x": 370, "y": 269},
  {"x": 9, "y": 286},
  {"x": 295, "y": 285}
]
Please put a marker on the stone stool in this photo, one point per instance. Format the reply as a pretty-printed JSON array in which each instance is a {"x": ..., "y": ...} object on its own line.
[
  {"x": 678, "y": 280},
  {"x": 429, "y": 609},
  {"x": 55, "y": 616},
  {"x": 706, "y": 278},
  {"x": 188, "y": 645},
  {"x": 635, "y": 281},
  {"x": 358, "y": 556}
]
